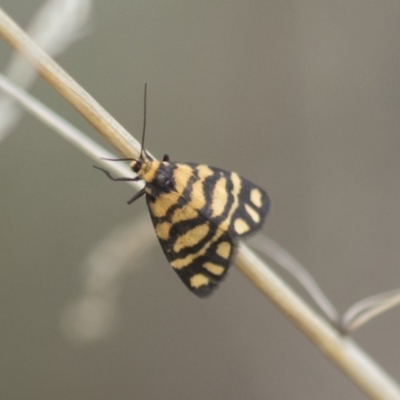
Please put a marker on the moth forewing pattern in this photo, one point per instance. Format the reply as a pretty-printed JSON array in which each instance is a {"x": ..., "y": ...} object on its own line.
[{"x": 198, "y": 213}]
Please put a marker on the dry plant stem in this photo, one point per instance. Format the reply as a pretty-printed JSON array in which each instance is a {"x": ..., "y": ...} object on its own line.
[
  {"x": 343, "y": 352},
  {"x": 92, "y": 315},
  {"x": 369, "y": 308},
  {"x": 65, "y": 130},
  {"x": 274, "y": 251},
  {"x": 369, "y": 376},
  {"x": 55, "y": 26},
  {"x": 68, "y": 88}
]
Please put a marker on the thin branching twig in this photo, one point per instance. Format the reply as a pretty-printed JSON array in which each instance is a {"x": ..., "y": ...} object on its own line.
[
  {"x": 55, "y": 26},
  {"x": 65, "y": 129},
  {"x": 91, "y": 316},
  {"x": 355, "y": 317},
  {"x": 342, "y": 351},
  {"x": 367, "y": 309},
  {"x": 274, "y": 251},
  {"x": 69, "y": 89}
]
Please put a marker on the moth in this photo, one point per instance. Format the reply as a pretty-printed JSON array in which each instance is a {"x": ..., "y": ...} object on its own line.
[{"x": 199, "y": 213}]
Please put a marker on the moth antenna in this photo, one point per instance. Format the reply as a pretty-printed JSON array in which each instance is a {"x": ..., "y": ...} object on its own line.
[{"x": 144, "y": 120}]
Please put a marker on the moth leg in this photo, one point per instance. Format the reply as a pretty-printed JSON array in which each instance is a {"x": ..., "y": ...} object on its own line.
[
  {"x": 118, "y": 159},
  {"x": 166, "y": 157},
  {"x": 140, "y": 193},
  {"x": 116, "y": 179}
]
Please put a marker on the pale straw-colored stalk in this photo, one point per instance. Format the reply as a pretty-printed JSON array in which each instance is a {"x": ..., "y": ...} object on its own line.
[{"x": 55, "y": 26}]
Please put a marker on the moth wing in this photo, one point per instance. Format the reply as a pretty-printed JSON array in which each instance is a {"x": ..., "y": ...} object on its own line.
[
  {"x": 252, "y": 207},
  {"x": 202, "y": 271},
  {"x": 198, "y": 251},
  {"x": 229, "y": 201},
  {"x": 198, "y": 221}
]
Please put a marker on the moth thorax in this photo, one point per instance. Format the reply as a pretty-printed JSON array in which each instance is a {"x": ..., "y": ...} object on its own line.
[{"x": 146, "y": 169}]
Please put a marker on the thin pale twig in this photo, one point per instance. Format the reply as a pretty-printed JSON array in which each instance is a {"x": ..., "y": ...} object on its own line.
[
  {"x": 55, "y": 26},
  {"x": 69, "y": 89},
  {"x": 367, "y": 309},
  {"x": 277, "y": 253},
  {"x": 91, "y": 316},
  {"x": 73, "y": 135}
]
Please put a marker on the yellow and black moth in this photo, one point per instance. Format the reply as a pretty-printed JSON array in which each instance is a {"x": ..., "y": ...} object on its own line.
[{"x": 199, "y": 213}]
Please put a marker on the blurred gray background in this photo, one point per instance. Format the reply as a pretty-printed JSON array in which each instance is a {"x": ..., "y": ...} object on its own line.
[{"x": 302, "y": 98}]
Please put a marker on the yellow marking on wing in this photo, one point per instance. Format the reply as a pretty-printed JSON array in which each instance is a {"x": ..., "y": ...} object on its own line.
[
  {"x": 237, "y": 185},
  {"x": 220, "y": 197},
  {"x": 198, "y": 199},
  {"x": 183, "y": 214},
  {"x": 185, "y": 261},
  {"x": 204, "y": 171},
  {"x": 224, "y": 249},
  {"x": 199, "y": 280},
  {"x": 256, "y": 197},
  {"x": 236, "y": 182},
  {"x": 162, "y": 230},
  {"x": 214, "y": 268},
  {"x": 255, "y": 216},
  {"x": 162, "y": 203},
  {"x": 182, "y": 174},
  {"x": 241, "y": 226},
  {"x": 191, "y": 237}
]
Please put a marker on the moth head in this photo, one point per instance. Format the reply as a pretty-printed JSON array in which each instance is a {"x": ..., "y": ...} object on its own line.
[
  {"x": 140, "y": 166},
  {"x": 145, "y": 167},
  {"x": 136, "y": 166}
]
